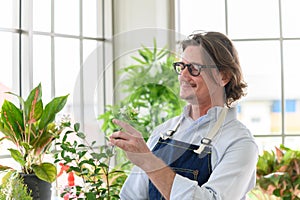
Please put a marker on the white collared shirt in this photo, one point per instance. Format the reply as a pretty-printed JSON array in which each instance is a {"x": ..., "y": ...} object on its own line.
[{"x": 234, "y": 158}]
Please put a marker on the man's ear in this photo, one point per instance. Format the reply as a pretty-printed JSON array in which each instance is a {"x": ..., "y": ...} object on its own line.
[{"x": 226, "y": 77}]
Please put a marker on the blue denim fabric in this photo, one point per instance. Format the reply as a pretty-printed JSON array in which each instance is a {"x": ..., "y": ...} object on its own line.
[{"x": 180, "y": 156}]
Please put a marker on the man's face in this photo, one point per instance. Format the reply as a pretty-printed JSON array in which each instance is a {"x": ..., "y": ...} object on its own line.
[{"x": 203, "y": 88}]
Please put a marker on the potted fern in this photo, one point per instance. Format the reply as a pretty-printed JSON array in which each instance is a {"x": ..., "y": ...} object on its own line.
[{"x": 31, "y": 129}]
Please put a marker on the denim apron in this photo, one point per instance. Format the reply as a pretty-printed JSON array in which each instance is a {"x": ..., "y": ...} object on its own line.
[{"x": 188, "y": 160}]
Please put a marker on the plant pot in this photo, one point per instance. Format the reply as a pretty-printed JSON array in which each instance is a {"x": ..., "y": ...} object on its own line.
[{"x": 40, "y": 190}]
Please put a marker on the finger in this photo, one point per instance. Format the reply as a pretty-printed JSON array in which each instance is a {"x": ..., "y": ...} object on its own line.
[
  {"x": 127, "y": 127},
  {"x": 120, "y": 135},
  {"x": 119, "y": 143}
]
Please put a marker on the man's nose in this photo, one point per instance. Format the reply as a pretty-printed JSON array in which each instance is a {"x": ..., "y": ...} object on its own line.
[{"x": 185, "y": 72}]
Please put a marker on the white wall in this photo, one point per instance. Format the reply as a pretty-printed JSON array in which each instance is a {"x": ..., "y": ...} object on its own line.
[{"x": 136, "y": 23}]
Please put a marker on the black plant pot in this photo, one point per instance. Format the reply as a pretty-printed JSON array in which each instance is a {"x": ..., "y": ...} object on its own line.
[{"x": 40, "y": 190}]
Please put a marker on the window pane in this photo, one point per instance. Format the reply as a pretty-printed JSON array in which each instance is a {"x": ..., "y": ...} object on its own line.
[
  {"x": 9, "y": 16},
  {"x": 253, "y": 18},
  {"x": 268, "y": 143},
  {"x": 91, "y": 20},
  {"x": 292, "y": 143},
  {"x": 291, "y": 86},
  {"x": 91, "y": 75},
  {"x": 42, "y": 65},
  {"x": 201, "y": 15},
  {"x": 6, "y": 52},
  {"x": 290, "y": 16},
  {"x": 42, "y": 15},
  {"x": 66, "y": 70},
  {"x": 260, "y": 62},
  {"x": 66, "y": 17}
]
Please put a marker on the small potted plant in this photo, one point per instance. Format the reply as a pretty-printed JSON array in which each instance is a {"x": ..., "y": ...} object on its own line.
[
  {"x": 89, "y": 174},
  {"x": 278, "y": 173},
  {"x": 13, "y": 187},
  {"x": 31, "y": 129}
]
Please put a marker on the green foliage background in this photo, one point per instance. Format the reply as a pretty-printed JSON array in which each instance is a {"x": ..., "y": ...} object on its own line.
[
  {"x": 152, "y": 91},
  {"x": 151, "y": 87}
]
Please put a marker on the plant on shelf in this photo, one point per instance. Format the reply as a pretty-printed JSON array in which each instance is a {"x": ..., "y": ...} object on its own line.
[
  {"x": 32, "y": 130},
  {"x": 88, "y": 167},
  {"x": 278, "y": 174}
]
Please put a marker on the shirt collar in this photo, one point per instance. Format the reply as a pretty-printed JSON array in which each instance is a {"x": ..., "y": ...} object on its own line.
[{"x": 212, "y": 114}]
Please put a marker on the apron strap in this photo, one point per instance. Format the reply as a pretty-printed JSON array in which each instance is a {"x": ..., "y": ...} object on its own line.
[
  {"x": 211, "y": 134},
  {"x": 170, "y": 132}
]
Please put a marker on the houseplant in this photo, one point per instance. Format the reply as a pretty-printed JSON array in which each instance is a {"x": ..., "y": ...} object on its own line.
[
  {"x": 90, "y": 175},
  {"x": 31, "y": 129},
  {"x": 12, "y": 187},
  {"x": 278, "y": 173},
  {"x": 151, "y": 88}
]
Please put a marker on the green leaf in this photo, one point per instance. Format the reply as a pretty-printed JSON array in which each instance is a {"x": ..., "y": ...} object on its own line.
[
  {"x": 89, "y": 161},
  {"x": 98, "y": 156},
  {"x": 81, "y": 154},
  {"x": 76, "y": 127},
  {"x": 138, "y": 60},
  {"x": 45, "y": 171},
  {"x": 51, "y": 109},
  {"x": 90, "y": 196},
  {"x": 68, "y": 148},
  {"x": 12, "y": 118},
  {"x": 34, "y": 99},
  {"x": 17, "y": 156},
  {"x": 81, "y": 135}
]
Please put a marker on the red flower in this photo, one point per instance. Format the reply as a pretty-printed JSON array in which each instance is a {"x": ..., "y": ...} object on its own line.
[
  {"x": 71, "y": 179},
  {"x": 63, "y": 169},
  {"x": 66, "y": 196}
]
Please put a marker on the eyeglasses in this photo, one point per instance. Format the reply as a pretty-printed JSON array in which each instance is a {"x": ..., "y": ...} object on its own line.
[{"x": 194, "y": 69}]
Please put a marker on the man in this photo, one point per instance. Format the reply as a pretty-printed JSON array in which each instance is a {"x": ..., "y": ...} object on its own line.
[{"x": 205, "y": 153}]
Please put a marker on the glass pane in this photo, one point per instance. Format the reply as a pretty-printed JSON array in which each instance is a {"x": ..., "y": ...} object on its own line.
[
  {"x": 260, "y": 62},
  {"x": 91, "y": 21},
  {"x": 6, "y": 52},
  {"x": 42, "y": 15},
  {"x": 290, "y": 16},
  {"x": 291, "y": 86},
  {"x": 66, "y": 17},
  {"x": 66, "y": 70},
  {"x": 268, "y": 143},
  {"x": 253, "y": 18},
  {"x": 42, "y": 65},
  {"x": 9, "y": 17},
  {"x": 201, "y": 15},
  {"x": 91, "y": 76},
  {"x": 292, "y": 142}
]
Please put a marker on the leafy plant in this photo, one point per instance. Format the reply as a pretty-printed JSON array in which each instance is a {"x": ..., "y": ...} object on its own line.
[
  {"x": 278, "y": 173},
  {"x": 152, "y": 91},
  {"x": 31, "y": 129},
  {"x": 13, "y": 187},
  {"x": 90, "y": 164}
]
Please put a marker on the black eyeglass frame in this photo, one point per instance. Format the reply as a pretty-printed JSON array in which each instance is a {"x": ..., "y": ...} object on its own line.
[{"x": 196, "y": 66}]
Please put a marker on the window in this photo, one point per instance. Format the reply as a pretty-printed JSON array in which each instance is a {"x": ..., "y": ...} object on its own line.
[
  {"x": 290, "y": 106},
  {"x": 64, "y": 45},
  {"x": 267, "y": 38}
]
